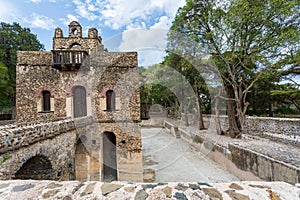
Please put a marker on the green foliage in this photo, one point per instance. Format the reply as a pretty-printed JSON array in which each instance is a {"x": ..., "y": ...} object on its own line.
[
  {"x": 243, "y": 37},
  {"x": 13, "y": 38},
  {"x": 153, "y": 92},
  {"x": 5, "y": 158},
  {"x": 289, "y": 94},
  {"x": 247, "y": 40}
]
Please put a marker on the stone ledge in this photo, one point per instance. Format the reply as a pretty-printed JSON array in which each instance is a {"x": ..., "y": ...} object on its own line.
[
  {"x": 30, "y": 189},
  {"x": 15, "y": 136}
]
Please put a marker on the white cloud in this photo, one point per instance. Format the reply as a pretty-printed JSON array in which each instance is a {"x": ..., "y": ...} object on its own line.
[
  {"x": 70, "y": 18},
  {"x": 36, "y": 1},
  {"x": 8, "y": 13},
  {"x": 149, "y": 43},
  {"x": 117, "y": 14},
  {"x": 164, "y": 23},
  {"x": 40, "y": 21},
  {"x": 146, "y": 23}
]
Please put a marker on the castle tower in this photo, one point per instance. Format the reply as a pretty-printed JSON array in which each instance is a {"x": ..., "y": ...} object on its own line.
[{"x": 52, "y": 85}]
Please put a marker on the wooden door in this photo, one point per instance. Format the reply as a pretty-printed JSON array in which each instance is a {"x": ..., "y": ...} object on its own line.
[{"x": 79, "y": 101}]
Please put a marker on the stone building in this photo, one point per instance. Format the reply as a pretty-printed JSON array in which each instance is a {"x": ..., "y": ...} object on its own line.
[{"x": 80, "y": 78}]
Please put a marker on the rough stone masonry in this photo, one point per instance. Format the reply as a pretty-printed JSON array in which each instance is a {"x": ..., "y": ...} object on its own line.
[{"x": 80, "y": 78}]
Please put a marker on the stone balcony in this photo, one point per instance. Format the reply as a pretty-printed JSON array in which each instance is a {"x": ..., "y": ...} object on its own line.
[{"x": 68, "y": 60}]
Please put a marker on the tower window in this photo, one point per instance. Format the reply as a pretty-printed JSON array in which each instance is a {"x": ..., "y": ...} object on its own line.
[
  {"x": 46, "y": 101},
  {"x": 110, "y": 100}
]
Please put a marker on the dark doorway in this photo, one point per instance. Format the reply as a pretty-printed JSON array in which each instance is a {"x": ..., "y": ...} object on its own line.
[
  {"x": 109, "y": 157},
  {"x": 79, "y": 101},
  {"x": 110, "y": 100},
  {"x": 38, "y": 168},
  {"x": 81, "y": 163}
]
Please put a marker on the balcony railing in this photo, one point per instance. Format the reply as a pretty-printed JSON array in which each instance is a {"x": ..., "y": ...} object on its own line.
[{"x": 68, "y": 59}]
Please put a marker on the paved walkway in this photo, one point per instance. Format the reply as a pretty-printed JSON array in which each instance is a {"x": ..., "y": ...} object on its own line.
[
  {"x": 286, "y": 153},
  {"x": 174, "y": 160}
]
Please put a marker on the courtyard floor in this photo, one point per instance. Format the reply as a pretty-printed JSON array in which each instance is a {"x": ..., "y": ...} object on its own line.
[{"x": 168, "y": 159}]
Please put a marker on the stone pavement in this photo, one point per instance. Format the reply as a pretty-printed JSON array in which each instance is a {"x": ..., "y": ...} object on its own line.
[{"x": 29, "y": 189}]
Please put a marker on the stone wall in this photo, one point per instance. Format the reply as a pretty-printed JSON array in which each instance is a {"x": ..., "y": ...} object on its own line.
[
  {"x": 285, "y": 130},
  {"x": 32, "y": 78},
  {"x": 266, "y": 124},
  {"x": 57, "y": 141},
  {"x": 234, "y": 157},
  {"x": 59, "y": 150},
  {"x": 66, "y": 43},
  {"x": 15, "y": 136},
  {"x": 108, "y": 71}
]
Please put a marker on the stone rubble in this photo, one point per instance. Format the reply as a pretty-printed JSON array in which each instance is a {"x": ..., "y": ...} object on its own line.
[{"x": 69, "y": 190}]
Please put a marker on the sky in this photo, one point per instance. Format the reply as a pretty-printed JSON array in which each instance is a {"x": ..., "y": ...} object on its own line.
[{"x": 135, "y": 25}]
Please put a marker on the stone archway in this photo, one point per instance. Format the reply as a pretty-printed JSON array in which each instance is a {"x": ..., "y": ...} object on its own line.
[
  {"x": 109, "y": 157},
  {"x": 81, "y": 162},
  {"x": 38, "y": 167}
]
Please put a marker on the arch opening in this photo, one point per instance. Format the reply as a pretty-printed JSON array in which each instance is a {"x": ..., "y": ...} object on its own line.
[
  {"x": 81, "y": 163},
  {"x": 109, "y": 157},
  {"x": 38, "y": 167},
  {"x": 75, "y": 46}
]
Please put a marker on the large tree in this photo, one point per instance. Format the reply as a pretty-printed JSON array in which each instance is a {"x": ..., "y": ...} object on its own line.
[
  {"x": 246, "y": 39},
  {"x": 13, "y": 38}
]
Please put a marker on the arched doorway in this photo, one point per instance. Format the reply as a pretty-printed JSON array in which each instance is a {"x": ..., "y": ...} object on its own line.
[
  {"x": 37, "y": 167},
  {"x": 81, "y": 162},
  {"x": 79, "y": 101},
  {"x": 109, "y": 157}
]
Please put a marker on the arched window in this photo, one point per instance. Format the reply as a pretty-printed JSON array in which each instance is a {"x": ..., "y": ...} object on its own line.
[
  {"x": 110, "y": 100},
  {"x": 46, "y": 101}
]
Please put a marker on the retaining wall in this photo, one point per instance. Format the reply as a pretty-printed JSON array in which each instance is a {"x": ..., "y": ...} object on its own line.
[
  {"x": 286, "y": 130},
  {"x": 244, "y": 159}
]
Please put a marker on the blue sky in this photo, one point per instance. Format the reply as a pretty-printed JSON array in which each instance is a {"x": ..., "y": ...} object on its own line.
[{"x": 135, "y": 25}]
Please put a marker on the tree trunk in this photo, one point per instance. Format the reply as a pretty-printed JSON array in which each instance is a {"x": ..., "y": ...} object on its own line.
[
  {"x": 13, "y": 107},
  {"x": 217, "y": 116},
  {"x": 234, "y": 123},
  {"x": 201, "y": 122},
  {"x": 271, "y": 110}
]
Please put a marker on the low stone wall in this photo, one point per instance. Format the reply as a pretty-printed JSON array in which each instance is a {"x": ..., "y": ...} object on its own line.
[
  {"x": 234, "y": 156},
  {"x": 6, "y": 122},
  {"x": 68, "y": 190},
  {"x": 15, "y": 136},
  {"x": 286, "y": 130},
  {"x": 263, "y": 166}
]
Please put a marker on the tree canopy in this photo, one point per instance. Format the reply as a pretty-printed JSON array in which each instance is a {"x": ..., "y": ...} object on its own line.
[
  {"x": 13, "y": 38},
  {"x": 246, "y": 39}
]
